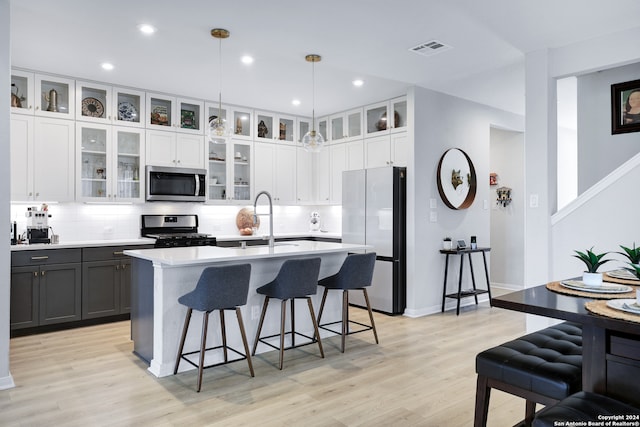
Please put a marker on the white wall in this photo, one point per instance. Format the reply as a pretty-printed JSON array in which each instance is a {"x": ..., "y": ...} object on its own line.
[
  {"x": 600, "y": 152},
  {"x": 507, "y": 222},
  {"x": 6, "y": 380},
  {"x": 442, "y": 122},
  {"x": 606, "y": 219}
]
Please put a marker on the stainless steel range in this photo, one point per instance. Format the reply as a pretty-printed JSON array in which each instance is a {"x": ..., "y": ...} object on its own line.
[{"x": 174, "y": 231}]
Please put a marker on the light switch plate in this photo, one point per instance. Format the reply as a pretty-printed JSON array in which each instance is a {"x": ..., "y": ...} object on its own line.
[
  {"x": 433, "y": 216},
  {"x": 533, "y": 201},
  {"x": 433, "y": 204}
]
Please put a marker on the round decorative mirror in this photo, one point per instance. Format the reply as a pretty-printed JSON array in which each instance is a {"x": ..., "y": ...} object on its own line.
[{"x": 456, "y": 179}]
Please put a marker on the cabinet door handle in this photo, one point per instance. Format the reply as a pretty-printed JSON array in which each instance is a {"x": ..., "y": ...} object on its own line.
[
  {"x": 34, "y": 258},
  {"x": 42, "y": 273},
  {"x": 117, "y": 266},
  {"x": 35, "y": 274},
  {"x": 124, "y": 266},
  {"x": 118, "y": 253}
]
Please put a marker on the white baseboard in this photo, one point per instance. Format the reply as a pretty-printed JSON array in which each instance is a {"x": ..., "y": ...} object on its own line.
[
  {"x": 7, "y": 382},
  {"x": 450, "y": 304}
]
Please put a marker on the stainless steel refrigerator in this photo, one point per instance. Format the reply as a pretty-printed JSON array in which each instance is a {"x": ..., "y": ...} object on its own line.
[{"x": 374, "y": 213}]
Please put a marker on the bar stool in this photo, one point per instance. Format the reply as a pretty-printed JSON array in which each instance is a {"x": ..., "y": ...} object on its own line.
[
  {"x": 356, "y": 273},
  {"x": 297, "y": 278},
  {"x": 219, "y": 288}
]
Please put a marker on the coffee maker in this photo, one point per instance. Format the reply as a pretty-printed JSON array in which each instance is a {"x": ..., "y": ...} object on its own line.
[{"x": 38, "y": 224}]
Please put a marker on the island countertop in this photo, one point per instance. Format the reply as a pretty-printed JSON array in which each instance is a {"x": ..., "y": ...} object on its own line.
[{"x": 179, "y": 257}]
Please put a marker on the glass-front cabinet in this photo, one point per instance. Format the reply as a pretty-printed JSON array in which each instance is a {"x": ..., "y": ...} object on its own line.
[
  {"x": 377, "y": 117},
  {"x": 22, "y": 92},
  {"x": 55, "y": 96},
  {"x": 304, "y": 126},
  {"x": 275, "y": 127},
  {"x": 169, "y": 113},
  {"x": 128, "y": 107},
  {"x": 94, "y": 102},
  {"x": 346, "y": 126},
  {"x": 230, "y": 171},
  {"x": 109, "y": 163}
]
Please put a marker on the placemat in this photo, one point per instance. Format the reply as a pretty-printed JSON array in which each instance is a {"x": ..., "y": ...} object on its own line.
[
  {"x": 600, "y": 307},
  {"x": 557, "y": 287},
  {"x": 610, "y": 279}
]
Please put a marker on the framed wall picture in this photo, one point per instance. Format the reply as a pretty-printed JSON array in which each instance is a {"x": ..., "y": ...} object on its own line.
[{"x": 625, "y": 107}]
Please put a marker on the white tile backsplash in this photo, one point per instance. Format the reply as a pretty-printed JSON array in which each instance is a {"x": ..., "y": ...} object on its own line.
[{"x": 79, "y": 221}]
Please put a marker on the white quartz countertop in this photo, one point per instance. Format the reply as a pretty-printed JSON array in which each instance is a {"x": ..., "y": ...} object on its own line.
[
  {"x": 208, "y": 254},
  {"x": 295, "y": 235},
  {"x": 83, "y": 244}
]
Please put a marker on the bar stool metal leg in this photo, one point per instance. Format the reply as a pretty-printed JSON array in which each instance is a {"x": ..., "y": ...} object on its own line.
[
  {"x": 283, "y": 316},
  {"x": 345, "y": 318},
  {"x": 224, "y": 336},
  {"x": 324, "y": 299},
  {"x": 293, "y": 322},
  {"x": 244, "y": 339}
]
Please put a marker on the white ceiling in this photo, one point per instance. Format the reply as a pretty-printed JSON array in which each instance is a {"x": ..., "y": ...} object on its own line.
[{"x": 367, "y": 39}]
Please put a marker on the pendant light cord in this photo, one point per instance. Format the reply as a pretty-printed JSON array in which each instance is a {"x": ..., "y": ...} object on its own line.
[
  {"x": 220, "y": 81},
  {"x": 313, "y": 96}
]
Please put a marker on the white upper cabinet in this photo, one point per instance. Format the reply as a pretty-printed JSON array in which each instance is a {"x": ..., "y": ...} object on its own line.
[
  {"x": 377, "y": 116},
  {"x": 94, "y": 102},
  {"x": 230, "y": 171},
  {"x": 22, "y": 92},
  {"x": 346, "y": 126},
  {"x": 128, "y": 107},
  {"x": 175, "y": 114},
  {"x": 54, "y": 97},
  {"x": 109, "y": 160},
  {"x": 272, "y": 127},
  {"x": 42, "y": 159}
]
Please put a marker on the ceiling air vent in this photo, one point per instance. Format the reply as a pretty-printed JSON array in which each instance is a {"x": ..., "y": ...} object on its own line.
[{"x": 430, "y": 48}]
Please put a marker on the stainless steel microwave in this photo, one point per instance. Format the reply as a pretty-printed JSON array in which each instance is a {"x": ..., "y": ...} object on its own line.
[{"x": 175, "y": 184}]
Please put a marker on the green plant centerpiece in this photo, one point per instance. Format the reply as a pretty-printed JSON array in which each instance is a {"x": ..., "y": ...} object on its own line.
[
  {"x": 634, "y": 269},
  {"x": 592, "y": 261},
  {"x": 633, "y": 255}
]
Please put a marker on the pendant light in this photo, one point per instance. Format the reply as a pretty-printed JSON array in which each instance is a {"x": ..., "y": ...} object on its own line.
[
  {"x": 219, "y": 131},
  {"x": 312, "y": 140}
]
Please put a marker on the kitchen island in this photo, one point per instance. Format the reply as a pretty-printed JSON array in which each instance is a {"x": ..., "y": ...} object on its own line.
[{"x": 161, "y": 276}]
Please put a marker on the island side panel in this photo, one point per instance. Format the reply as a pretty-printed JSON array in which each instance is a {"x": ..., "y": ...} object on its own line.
[{"x": 142, "y": 308}]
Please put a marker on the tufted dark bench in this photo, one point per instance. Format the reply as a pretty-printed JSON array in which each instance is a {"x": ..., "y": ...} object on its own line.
[
  {"x": 585, "y": 407},
  {"x": 541, "y": 367}
]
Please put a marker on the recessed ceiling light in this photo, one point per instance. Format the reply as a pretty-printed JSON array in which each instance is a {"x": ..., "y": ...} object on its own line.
[
  {"x": 247, "y": 59},
  {"x": 357, "y": 83},
  {"x": 107, "y": 66},
  {"x": 296, "y": 102},
  {"x": 146, "y": 29}
]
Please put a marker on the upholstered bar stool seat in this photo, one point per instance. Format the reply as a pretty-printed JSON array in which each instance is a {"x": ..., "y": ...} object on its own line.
[
  {"x": 356, "y": 273},
  {"x": 582, "y": 407},
  {"x": 219, "y": 288},
  {"x": 542, "y": 367},
  {"x": 297, "y": 279}
]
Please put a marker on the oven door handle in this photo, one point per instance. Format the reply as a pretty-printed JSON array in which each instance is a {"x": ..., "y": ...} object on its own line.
[{"x": 197, "y": 178}]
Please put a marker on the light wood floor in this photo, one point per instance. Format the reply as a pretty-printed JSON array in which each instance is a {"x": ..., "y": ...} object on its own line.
[{"x": 421, "y": 374}]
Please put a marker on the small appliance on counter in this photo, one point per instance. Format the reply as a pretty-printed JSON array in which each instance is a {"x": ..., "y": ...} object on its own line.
[
  {"x": 314, "y": 221},
  {"x": 174, "y": 231},
  {"x": 38, "y": 224}
]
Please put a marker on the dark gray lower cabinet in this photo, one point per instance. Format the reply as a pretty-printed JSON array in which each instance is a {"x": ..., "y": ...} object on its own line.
[
  {"x": 45, "y": 287},
  {"x": 106, "y": 282}
]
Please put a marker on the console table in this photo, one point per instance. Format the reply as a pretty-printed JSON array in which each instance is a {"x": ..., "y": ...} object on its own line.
[{"x": 467, "y": 292}]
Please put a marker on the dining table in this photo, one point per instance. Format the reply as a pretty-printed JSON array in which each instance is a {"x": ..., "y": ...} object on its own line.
[{"x": 610, "y": 340}]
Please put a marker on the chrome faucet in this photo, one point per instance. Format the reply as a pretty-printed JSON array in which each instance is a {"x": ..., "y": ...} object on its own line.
[{"x": 255, "y": 215}]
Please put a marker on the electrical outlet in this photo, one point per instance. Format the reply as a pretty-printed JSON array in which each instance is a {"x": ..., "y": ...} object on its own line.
[{"x": 255, "y": 312}]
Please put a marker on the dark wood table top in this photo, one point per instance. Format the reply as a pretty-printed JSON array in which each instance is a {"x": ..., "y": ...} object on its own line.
[
  {"x": 541, "y": 301},
  {"x": 467, "y": 250}
]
